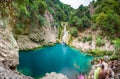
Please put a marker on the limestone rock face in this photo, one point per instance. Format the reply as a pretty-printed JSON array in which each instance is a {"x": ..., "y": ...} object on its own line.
[
  {"x": 24, "y": 42},
  {"x": 54, "y": 75},
  {"x": 8, "y": 48},
  {"x": 46, "y": 33},
  {"x": 9, "y": 55},
  {"x": 39, "y": 35},
  {"x": 43, "y": 35}
]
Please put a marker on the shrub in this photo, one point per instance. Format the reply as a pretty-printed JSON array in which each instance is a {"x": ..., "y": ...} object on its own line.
[
  {"x": 42, "y": 6},
  {"x": 99, "y": 41},
  {"x": 87, "y": 38},
  {"x": 98, "y": 52},
  {"x": 74, "y": 32},
  {"x": 116, "y": 43}
]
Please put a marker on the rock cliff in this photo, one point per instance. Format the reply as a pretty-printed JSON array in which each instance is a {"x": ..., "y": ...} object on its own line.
[
  {"x": 8, "y": 48},
  {"x": 8, "y": 54},
  {"x": 41, "y": 35}
]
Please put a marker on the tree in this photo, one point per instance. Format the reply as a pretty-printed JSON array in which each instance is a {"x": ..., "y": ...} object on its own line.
[
  {"x": 107, "y": 16},
  {"x": 100, "y": 19},
  {"x": 86, "y": 21}
]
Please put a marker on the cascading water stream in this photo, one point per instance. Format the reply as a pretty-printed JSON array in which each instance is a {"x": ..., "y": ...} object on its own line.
[{"x": 64, "y": 36}]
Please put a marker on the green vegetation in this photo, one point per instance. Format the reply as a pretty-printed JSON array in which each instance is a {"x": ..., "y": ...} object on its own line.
[
  {"x": 29, "y": 15},
  {"x": 99, "y": 41},
  {"x": 74, "y": 32},
  {"x": 116, "y": 54},
  {"x": 87, "y": 38},
  {"x": 99, "y": 53},
  {"x": 107, "y": 16},
  {"x": 24, "y": 15},
  {"x": 80, "y": 18}
]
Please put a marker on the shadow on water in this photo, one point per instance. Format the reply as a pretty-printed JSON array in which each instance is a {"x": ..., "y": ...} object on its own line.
[{"x": 58, "y": 58}]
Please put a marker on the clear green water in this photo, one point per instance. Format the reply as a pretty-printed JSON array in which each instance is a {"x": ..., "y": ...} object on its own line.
[{"x": 58, "y": 58}]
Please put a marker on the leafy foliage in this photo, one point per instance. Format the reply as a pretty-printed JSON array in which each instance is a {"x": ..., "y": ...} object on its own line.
[
  {"x": 116, "y": 43},
  {"x": 81, "y": 18},
  {"x": 87, "y": 38},
  {"x": 74, "y": 32},
  {"x": 29, "y": 14},
  {"x": 97, "y": 52},
  {"x": 107, "y": 16},
  {"x": 99, "y": 41}
]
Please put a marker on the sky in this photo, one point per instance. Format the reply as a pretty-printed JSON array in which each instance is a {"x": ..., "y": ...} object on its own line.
[{"x": 76, "y": 3}]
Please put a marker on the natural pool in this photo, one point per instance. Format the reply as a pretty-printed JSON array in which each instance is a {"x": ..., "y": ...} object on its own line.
[{"x": 58, "y": 58}]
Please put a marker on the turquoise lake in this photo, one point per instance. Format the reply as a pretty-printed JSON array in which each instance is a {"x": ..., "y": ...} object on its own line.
[{"x": 58, "y": 58}]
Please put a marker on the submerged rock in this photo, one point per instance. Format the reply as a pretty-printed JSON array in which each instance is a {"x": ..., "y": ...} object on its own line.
[{"x": 54, "y": 75}]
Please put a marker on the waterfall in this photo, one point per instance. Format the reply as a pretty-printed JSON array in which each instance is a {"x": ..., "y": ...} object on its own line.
[{"x": 64, "y": 36}]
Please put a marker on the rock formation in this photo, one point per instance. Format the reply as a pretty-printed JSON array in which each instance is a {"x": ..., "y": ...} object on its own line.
[
  {"x": 38, "y": 36},
  {"x": 54, "y": 75},
  {"x": 8, "y": 48},
  {"x": 8, "y": 54}
]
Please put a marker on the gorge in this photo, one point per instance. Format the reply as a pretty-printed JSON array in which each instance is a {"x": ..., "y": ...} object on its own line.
[{"x": 44, "y": 36}]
